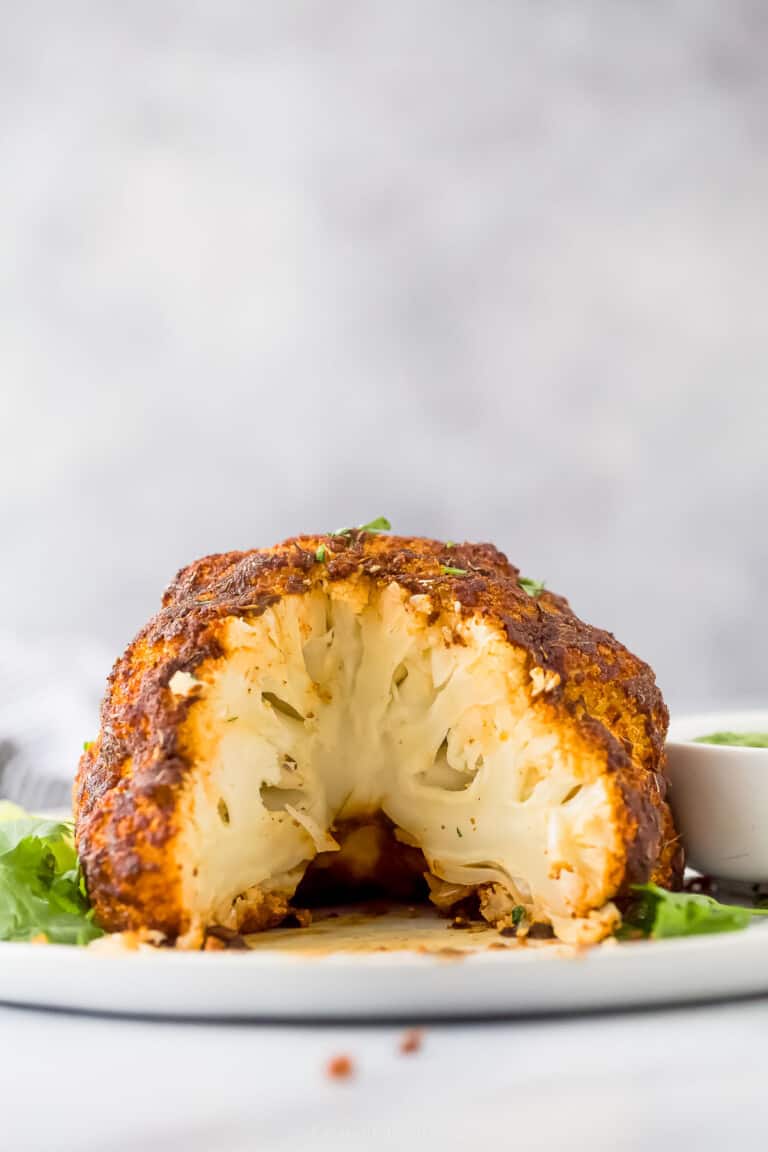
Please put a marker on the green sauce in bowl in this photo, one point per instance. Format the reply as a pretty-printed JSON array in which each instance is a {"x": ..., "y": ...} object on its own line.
[{"x": 736, "y": 739}]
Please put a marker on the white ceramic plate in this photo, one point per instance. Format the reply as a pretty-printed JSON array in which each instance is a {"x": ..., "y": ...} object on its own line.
[{"x": 285, "y": 978}]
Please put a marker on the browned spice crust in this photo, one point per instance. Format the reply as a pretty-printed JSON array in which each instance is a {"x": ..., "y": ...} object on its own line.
[{"x": 126, "y": 786}]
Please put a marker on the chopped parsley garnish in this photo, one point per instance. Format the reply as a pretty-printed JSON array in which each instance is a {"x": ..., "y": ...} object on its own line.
[
  {"x": 517, "y": 914},
  {"x": 532, "y": 587},
  {"x": 230, "y": 719},
  {"x": 42, "y": 890},
  {"x": 380, "y": 524},
  {"x": 86, "y": 745},
  {"x": 459, "y": 832},
  {"x": 736, "y": 739},
  {"x": 659, "y": 914},
  {"x": 447, "y": 570}
]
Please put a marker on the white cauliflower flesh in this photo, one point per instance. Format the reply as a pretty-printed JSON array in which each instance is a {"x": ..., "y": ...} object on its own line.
[{"x": 348, "y": 702}]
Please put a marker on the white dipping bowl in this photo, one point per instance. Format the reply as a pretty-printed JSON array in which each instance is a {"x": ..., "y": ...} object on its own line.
[{"x": 719, "y": 795}]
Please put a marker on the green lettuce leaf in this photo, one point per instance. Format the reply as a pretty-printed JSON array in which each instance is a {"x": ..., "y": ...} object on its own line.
[
  {"x": 660, "y": 914},
  {"x": 42, "y": 891}
]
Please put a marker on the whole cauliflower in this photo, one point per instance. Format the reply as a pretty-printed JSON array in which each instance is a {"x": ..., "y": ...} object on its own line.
[{"x": 368, "y": 706}]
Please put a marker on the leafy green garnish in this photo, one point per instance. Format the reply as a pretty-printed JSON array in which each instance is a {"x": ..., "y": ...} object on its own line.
[
  {"x": 447, "y": 570},
  {"x": 321, "y": 553},
  {"x": 736, "y": 739},
  {"x": 532, "y": 587},
  {"x": 517, "y": 914},
  {"x": 380, "y": 524},
  {"x": 459, "y": 832},
  {"x": 42, "y": 890},
  {"x": 660, "y": 914},
  {"x": 86, "y": 745}
]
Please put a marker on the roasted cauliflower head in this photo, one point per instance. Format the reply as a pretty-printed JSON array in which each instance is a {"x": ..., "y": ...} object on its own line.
[{"x": 359, "y": 707}]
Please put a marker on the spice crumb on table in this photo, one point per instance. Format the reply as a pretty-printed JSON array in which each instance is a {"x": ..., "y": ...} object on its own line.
[
  {"x": 411, "y": 1041},
  {"x": 340, "y": 1068}
]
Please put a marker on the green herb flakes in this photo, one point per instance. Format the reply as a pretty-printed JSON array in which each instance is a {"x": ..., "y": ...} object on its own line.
[
  {"x": 380, "y": 524},
  {"x": 532, "y": 587}
]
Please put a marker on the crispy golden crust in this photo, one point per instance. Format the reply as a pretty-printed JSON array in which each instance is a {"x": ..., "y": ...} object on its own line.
[{"x": 128, "y": 780}]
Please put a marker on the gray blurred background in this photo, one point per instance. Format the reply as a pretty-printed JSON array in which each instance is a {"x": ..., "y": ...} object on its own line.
[{"x": 495, "y": 270}]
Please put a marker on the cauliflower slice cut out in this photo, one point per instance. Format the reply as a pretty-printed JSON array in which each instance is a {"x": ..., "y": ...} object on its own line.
[{"x": 348, "y": 703}]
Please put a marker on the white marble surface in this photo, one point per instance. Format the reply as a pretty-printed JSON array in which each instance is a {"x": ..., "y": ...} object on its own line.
[
  {"x": 655, "y": 1081},
  {"x": 497, "y": 270}
]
